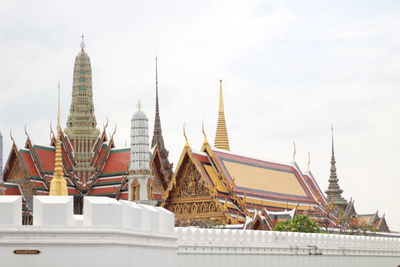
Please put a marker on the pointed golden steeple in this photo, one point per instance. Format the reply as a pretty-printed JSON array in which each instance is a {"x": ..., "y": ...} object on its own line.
[
  {"x": 58, "y": 185},
  {"x": 221, "y": 136}
]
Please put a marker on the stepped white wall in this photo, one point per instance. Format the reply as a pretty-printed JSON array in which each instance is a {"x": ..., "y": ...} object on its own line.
[
  {"x": 123, "y": 233},
  {"x": 110, "y": 233}
]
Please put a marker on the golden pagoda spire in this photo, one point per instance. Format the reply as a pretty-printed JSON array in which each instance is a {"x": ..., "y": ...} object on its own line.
[
  {"x": 58, "y": 185},
  {"x": 221, "y": 136}
]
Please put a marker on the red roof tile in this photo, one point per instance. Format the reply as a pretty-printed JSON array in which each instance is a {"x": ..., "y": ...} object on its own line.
[
  {"x": 117, "y": 162},
  {"x": 30, "y": 166},
  {"x": 46, "y": 157},
  {"x": 12, "y": 189}
]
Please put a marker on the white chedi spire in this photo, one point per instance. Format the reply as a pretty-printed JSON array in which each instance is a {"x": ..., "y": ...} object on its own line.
[
  {"x": 139, "y": 167},
  {"x": 140, "y": 152}
]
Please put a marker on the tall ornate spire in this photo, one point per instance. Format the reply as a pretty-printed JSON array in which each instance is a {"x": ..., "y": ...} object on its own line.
[
  {"x": 157, "y": 134},
  {"x": 221, "y": 136},
  {"x": 334, "y": 193},
  {"x": 81, "y": 125},
  {"x": 58, "y": 185}
]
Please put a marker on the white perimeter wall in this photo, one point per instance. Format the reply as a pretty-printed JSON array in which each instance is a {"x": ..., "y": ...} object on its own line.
[
  {"x": 121, "y": 233},
  {"x": 223, "y": 247}
]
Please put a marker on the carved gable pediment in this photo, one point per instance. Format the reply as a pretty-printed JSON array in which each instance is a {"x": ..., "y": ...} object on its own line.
[
  {"x": 14, "y": 168},
  {"x": 191, "y": 183}
]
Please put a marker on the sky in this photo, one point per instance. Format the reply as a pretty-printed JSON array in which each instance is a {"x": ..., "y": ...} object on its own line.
[{"x": 290, "y": 70}]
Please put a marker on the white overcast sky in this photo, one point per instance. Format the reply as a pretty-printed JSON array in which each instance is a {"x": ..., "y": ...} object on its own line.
[{"x": 290, "y": 69}]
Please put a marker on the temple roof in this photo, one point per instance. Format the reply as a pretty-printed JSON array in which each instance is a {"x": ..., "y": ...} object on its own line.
[
  {"x": 38, "y": 163},
  {"x": 261, "y": 179}
]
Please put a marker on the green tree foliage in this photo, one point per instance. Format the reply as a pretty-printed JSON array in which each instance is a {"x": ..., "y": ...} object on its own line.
[{"x": 300, "y": 223}]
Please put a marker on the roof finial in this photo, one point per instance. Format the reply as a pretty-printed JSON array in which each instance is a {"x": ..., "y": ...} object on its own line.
[
  {"x": 139, "y": 105},
  {"x": 156, "y": 79},
  {"x": 58, "y": 107},
  {"x": 83, "y": 45},
  {"x": 11, "y": 136},
  {"x": 26, "y": 131},
  {"x": 204, "y": 133},
  {"x": 333, "y": 149},
  {"x": 184, "y": 134},
  {"x": 221, "y": 135},
  {"x": 294, "y": 151},
  {"x": 309, "y": 161}
]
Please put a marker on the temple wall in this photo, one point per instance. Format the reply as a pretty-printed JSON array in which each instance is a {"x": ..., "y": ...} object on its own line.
[
  {"x": 110, "y": 233},
  {"x": 122, "y": 233},
  {"x": 225, "y": 247}
]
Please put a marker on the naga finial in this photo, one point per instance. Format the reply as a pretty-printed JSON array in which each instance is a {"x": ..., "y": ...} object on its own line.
[{"x": 11, "y": 136}]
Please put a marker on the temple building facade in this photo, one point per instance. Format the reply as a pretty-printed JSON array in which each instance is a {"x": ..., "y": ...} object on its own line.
[
  {"x": 210, "y": 187},
  {"x": 216, "y": 186}
]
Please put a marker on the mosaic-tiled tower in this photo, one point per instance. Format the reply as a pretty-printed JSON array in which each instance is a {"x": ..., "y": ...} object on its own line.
[{"x": 81, "y": 125}]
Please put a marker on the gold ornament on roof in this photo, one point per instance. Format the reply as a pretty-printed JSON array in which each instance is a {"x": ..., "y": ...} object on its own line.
[
  {"x": 204, "y": 133},
  {"x": 184, "y": 134}
]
